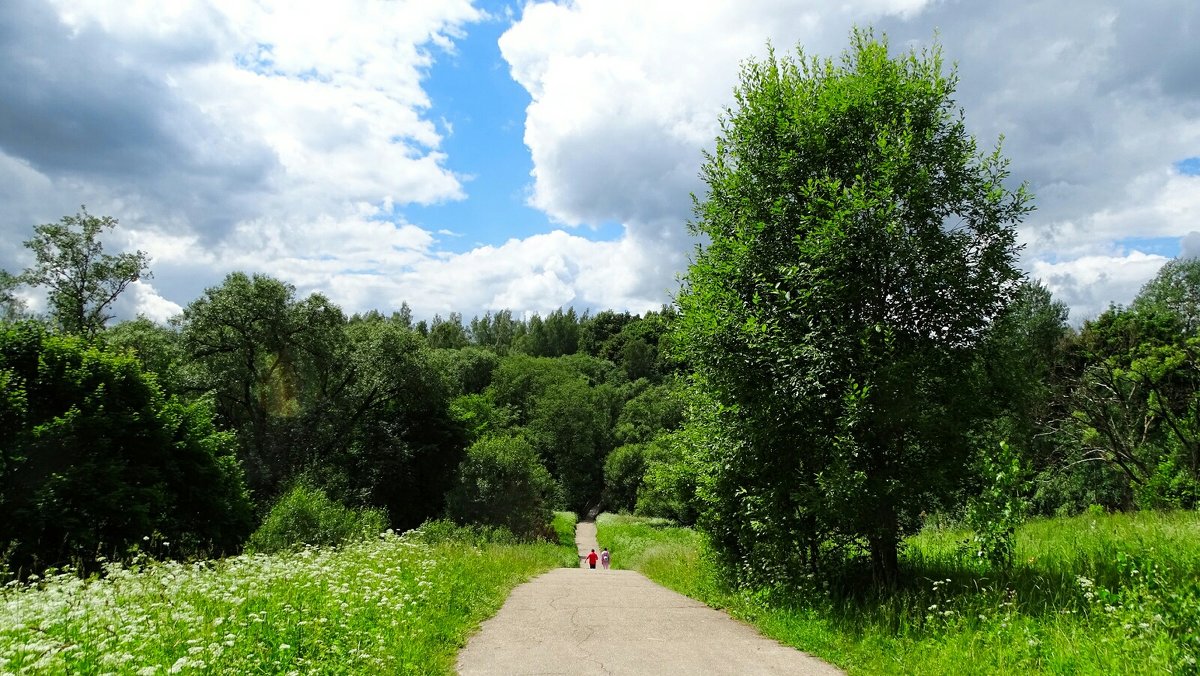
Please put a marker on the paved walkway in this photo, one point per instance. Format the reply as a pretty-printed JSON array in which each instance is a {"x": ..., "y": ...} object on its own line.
[{"x": 581, "y": 621}]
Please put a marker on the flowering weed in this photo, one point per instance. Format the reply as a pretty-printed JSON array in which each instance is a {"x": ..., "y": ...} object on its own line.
[{"x": 396, "y": 604}]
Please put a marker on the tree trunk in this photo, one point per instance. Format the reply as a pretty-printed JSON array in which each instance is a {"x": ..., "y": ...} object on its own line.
[{"x": 885, "y": 548}]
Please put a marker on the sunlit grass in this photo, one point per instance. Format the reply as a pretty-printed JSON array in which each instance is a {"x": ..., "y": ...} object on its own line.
[
  {"x": 1095, "y": 594},
  {"x": 392, "y": 605},
  {"x": 563, "y": 524}
]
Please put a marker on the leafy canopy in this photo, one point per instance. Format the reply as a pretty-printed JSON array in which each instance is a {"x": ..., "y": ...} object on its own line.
[
  {"x": 859, "y": 249},
  {"x": 82, "y": 280}
]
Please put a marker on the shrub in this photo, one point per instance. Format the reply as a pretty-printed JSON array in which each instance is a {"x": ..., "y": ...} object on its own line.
[
  {"x": 93, "y": 459},
  {"x": 306, "y": 516},
  {"x": 502, "y": 483},
  {"x": 668, "y": 489},
  {"x": 441, "y": 531},
  {"x": 623, "y": 472}
]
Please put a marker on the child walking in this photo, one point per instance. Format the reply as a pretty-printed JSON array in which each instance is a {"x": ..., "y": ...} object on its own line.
[{"x": 604, "y": 558}]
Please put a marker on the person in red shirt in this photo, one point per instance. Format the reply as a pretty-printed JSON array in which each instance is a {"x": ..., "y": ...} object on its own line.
[{"x": 592, "y": 560}]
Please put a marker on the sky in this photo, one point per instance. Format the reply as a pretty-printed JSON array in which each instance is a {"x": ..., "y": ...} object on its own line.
[{"x": 475, "y": 156}]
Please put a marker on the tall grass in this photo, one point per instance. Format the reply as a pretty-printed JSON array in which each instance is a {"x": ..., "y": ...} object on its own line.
[
  {"x": 395, "y": 604},
  {"x": 563, "y": 524},
  {"x": 1099, "y": 594}
]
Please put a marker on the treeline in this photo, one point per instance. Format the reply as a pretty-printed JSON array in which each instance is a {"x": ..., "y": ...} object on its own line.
[
  {"x": 852, "y": 353},
  {"x": 181, "y": 438}
]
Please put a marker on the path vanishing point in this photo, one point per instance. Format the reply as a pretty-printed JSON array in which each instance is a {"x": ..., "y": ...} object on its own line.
[{"x": 581, "y": 621}]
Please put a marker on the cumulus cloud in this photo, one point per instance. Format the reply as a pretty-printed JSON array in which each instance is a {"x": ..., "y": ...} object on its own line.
[
  {"x": 1097, "y": 102},
  {"x": 1095, "y": 282},
  {"x": 199, "y": 122},
  {"x": 288, "y": 137}
]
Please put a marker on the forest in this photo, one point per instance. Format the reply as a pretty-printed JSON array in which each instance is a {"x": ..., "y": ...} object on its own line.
[{"x": 852, "y": 356}]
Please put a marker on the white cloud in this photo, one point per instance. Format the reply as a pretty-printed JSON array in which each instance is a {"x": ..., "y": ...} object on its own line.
[
  {"x": 1093, "y": 282},
  {"x": 536, "y": 274},
  {"x": 269, "y": 136},
  {"x": 287, "y": 137},
  {"x": 626, "y": 94}
]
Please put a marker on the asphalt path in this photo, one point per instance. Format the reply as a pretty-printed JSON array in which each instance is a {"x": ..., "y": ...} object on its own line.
[{"x": 583, "y": 621}]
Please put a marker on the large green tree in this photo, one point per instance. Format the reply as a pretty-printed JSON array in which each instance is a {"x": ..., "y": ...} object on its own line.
[
  {"x": 1135, "y": 405},
  {"x": 859, "y": 248},
  {"x": 268, "y": 358},
  {"x": 82, "y": 280},
  {"x": 93, "y": 458}
]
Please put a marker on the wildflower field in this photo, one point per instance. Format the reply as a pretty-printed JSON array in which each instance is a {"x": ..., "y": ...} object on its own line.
[
  {"x": 1093, "y": 594},
  {"x": 395, "y": 604}
]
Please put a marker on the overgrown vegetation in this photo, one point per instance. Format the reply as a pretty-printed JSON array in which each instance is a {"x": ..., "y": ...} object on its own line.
[
  {"x": 95, "y": 462},
  {"x": 391, "y": 604},
  {"x": 1095, "y": 593},
  {"x": 306, "y": 517},
  {"x": 853, "y": 358}
]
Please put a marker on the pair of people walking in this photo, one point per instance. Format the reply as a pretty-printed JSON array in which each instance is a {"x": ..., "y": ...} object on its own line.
[{"x": 603, "y": 557}]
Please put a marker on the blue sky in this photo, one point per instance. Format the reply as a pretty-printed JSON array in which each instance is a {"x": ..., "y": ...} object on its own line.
[
  {"x": 471, "y": 90},
  {"x": 463, "y": 156}
]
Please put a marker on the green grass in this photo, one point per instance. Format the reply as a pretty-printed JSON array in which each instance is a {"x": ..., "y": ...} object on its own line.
[
  {"x": 563, "y": 524},
  {"x": 396, "y": 604},
  {"x": 1095, "y": 594}
]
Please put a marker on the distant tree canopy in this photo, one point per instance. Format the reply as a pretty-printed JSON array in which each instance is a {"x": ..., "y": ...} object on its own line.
[
  {"x": 1134, "y": 401},
  {"x": 860, "y": 248},
  {"x": 358, "y": 404},
  {"x": 93, "y": 458}
]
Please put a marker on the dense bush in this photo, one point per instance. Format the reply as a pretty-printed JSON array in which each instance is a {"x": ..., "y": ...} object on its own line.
[
  {"x": 623, "y": 472},
  {"x": 93, "y": 458},
  {"x": 502, "y": 483},
  {"x": 306, "y": 516},
  {"x": 668, "y": 487}
]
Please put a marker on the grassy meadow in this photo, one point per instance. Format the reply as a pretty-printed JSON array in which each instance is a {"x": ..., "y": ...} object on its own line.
[
  {"x": 1093, "y": 594},
  {"x": 394, "y": 604}
]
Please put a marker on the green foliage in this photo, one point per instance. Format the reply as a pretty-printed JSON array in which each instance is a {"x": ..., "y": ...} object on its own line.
[
  {"x": 480, "y": 416},
  {"x": 859, "y": 249},
  {"x": 447, "y": 333},
  {"x": 361, "y": 405},
  {"x": 498, "y": 332},
  {"x": 256, "y": 347},
  {"x": 82, "y": 281},
  {"x": 566, "y": 407},
  {"x": 1174, "y": 292},
  {"x": 1135, "y": 405},
  {"x": 624, "y": 470},
  {"x": 306, "y": 516},
  {"x": 157, "y": 348},
  {"x": 1093, "y": 594},
  {"x": 570, "y": 426},
  {"x": 636, "y": 344},
  {"x": 555, "y": 336},
  {"x": 563, "y": 524},
  {"x": 440, "y": 531},
  {"x": 651, "y": 412},
  {"x": 389, "y": 605},
  {"x": 1000, "y": 508},
  {"x": 501, "y": 482},
  {"x": 668, "y": 487},
  {"x": 94, "y": 459},
  {"x": 12, "y": 307},
  {"x": 467, "y": 370},
  {"x": 395, "y": 439}
]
